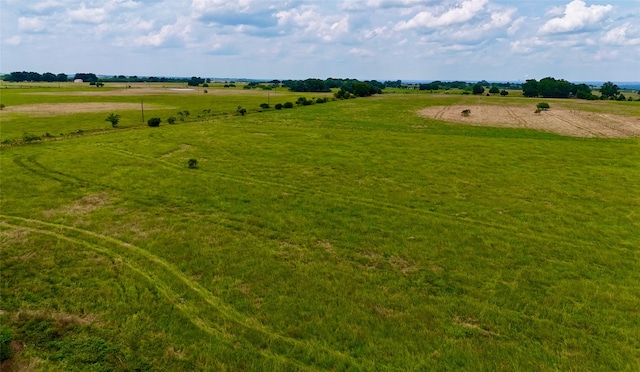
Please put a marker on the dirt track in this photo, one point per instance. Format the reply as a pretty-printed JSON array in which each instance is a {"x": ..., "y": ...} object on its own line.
[{"x": 562, "y": 121}]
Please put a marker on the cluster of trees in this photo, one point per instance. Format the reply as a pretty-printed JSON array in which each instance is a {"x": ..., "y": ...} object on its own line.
[
  {"x": 475, "y": 88},
  {"x": 347, "y": 87},
  {"x": 34, "y": 76},
  {"x": 552, "y": 88}
]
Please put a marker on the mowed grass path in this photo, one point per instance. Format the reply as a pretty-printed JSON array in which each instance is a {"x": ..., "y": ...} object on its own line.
[{"x": 350, "y": 235}]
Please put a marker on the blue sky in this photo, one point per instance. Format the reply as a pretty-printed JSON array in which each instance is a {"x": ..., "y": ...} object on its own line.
[{"x": 576, "y": 40}]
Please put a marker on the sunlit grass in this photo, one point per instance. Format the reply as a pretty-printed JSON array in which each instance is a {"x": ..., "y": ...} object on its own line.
[{"x": 348, "y": 235}]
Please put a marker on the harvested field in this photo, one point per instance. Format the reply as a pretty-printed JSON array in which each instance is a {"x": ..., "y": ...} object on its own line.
[
  {"x": 566, "y": 122},
  {"x": 76, "y": 108}
]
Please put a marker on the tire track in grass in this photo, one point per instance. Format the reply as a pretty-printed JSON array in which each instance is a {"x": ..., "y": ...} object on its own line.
[
  {"x": 40, "y": 170},
  {"x": 375, "y": 204},
  {"x": 251, "y": 331},
  {"x": 519, "y": 120}
]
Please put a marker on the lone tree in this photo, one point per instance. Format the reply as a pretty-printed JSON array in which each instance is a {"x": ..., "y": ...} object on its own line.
[
  {"x": 494, "y": 90},
  {"x": 478, "y": 89},
  {"x": 114, "y": 119},
  {"x": 609, "y": 89}
]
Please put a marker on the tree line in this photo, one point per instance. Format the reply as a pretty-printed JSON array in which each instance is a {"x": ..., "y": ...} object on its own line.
[{"x": 551, "y": 88}]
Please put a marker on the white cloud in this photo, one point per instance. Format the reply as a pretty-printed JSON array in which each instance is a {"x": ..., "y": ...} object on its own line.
[
  {"x": 87, "y": 15},
  {"x": 31, "y": 25},
  {"x": 515, "y": 26},
  {"x": 361, "y": 52},
  {"x": 241, "y": 12},
  {"x": 380, "y": 4},
  {"x": 46, "y": 6},
  {"x": 326, "y": 28},
  {"x": 576, "y": 17},
  {"x": 461, "y": 14},
  {"x": 618, "y": 36},
  {"x": 168, "y": 34},
  {"x": 13, "y": 40}
]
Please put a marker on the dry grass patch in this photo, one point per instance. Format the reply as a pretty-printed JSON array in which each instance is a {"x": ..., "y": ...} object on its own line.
[
  {"x": 82, "y": 206},
  {"x": 575, "y": 123}
]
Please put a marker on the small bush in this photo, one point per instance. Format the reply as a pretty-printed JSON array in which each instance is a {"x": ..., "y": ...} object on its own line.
[
  {"x": 278, "y": 106},
  {"x": 206, "y": 91},
  {"x": 205, "y": 85},
  {"x": 114, "y": 119},
  {"x": 154, "y": 122},
  {"x": 241, "y": 110},
  {"x": 264, "y": 105},
  {"x": 504, "y": 93},
  {"x": 288, "y": 105},
  {"x": 30, "y": 137},
  {"x": 171, "y": 120},
  {"x": 543, "y": 106},
  {"x": 2, "y": 106},
  {"x": 192, "y": 163},
  {"x": 466, "y": 113}
]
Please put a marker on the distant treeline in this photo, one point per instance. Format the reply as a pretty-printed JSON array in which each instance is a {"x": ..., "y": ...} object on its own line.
[
  {"x": 552, "y": 88},
  {"x": 31, "y": 76}
]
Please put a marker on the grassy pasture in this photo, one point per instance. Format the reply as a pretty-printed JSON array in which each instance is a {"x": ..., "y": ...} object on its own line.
[{"x": 352, "y": 235}]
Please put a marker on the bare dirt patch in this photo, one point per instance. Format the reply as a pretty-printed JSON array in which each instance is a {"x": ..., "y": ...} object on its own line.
[
  {"x": 75, "y": 108},
  {"x": 566, "y": 122}
]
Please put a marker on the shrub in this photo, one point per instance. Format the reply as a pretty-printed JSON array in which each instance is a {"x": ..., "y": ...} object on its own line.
[
  {"x": 192, "y": 163},
  {"x": 171, "y": 120},
  {"x": 241, "y": 110},
  {"x": 30, "y": 137},
  {"x": 466, "y": 113},
  {"x": 5, "y": 343},
  {"x": 322, "y": 100},
  {"x": 543, "y": 106},
  {"x": 205, "y": 85},
  {"x": 114, "y": 119},
  {"x": 2, "y": 106},
  {"x": 206, "y": 91},
  {"x": 278, "y": 106},
  {"x": 154, "y": 122},
  {"x": 288, "y": 105},
  {"x": 264, "y": 105},
  {"x": 504, "y": 93}
]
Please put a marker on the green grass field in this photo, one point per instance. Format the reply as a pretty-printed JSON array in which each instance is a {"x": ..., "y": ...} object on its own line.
[{"x": 350, "y": 235}]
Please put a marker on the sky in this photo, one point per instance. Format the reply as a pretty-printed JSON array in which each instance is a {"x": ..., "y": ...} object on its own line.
[{"x": 495, "y": 40}]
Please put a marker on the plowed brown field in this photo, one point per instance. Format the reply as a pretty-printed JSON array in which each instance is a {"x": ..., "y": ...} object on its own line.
[{"x": 562, "y": 121}]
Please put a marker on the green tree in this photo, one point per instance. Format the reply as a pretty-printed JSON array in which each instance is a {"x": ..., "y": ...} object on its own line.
[
  {"x": 494, "y": 90},
  {"x": 504, "y": 93},
  {"x": 530, "y": 88},
  {"x": 609, "y": 89},
  {"x": 114, "y": 119},
  {"x": 478, "y": 89}
]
